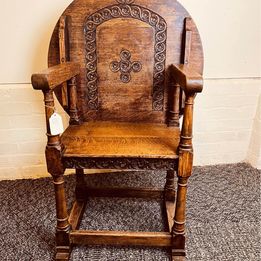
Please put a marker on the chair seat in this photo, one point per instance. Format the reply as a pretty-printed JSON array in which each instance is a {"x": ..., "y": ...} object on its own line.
[{"x": 120, "y": 139}]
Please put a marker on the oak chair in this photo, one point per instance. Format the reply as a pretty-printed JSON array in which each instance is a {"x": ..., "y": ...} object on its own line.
[{"x": 125, "y": 71}]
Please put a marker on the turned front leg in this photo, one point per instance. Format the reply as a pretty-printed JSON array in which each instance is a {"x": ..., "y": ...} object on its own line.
[
  {"x": 184, "y": 172},
  {"x": 61, "y": 207},
  {"x": 63, "y": 226},
  {"x": 179, "y": 219},
  {"x": 53, "y": 152}
]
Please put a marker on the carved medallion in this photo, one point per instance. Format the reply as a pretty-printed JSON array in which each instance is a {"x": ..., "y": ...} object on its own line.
[
  {"x": 126, "y": 9},
  {"x": 125, "y": 66}
]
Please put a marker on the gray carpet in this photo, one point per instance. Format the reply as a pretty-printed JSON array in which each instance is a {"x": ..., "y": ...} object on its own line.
[{"x": 223, "y": 216}]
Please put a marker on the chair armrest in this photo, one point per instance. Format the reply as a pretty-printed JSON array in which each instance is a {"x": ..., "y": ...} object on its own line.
[
  {"x": 188, "y": 79},
  {"x": 54, "y": 76}
]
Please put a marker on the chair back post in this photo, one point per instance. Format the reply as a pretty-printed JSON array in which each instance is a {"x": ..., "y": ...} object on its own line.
[
  {"x": 174, "y": 94},
  {"x": 187, "y": 45},
  {"x": 64, "y": 56},
  {"x": 69, "y": 97},
  {"x": 74, "y": 115}
]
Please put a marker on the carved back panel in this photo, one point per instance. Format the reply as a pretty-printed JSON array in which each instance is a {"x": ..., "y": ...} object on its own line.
[{"x": 124, "y": 48}]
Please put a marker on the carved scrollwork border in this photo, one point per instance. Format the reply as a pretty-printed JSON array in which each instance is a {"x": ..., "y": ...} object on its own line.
[
  {"x": 125, "y": 9},
  {"x": 120, "y": 163},
  {"x": 125, "y": 1}
]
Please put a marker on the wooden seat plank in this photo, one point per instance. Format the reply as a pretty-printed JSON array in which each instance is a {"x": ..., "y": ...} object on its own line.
[{"x": 119, "y": 139}]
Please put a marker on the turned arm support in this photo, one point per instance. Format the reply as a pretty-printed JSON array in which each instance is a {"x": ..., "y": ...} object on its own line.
[
  {"x": 188, "y": 79},
  {"x": 191, "y": 82},
  {"x": 54, "y": 76}
]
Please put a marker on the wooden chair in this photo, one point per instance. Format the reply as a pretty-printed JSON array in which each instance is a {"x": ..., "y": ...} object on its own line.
[{"x": 125, "y": 71}]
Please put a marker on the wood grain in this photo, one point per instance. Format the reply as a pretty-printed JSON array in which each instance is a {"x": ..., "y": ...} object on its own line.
[
  {"x": 76, "y": 214},
  {"x": 125, "y": 192},
  {"x": 54, "y": 76},
  {"x": 170, "y": 212},
  {"x": 116, "y": 139},
  {"x": 162, "y": 239}
]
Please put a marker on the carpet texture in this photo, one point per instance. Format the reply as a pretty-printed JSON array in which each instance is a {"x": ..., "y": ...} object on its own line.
[{"x": 223, "y": 216}]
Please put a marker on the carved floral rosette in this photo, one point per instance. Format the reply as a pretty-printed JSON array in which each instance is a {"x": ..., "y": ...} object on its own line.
[{"x": 125, "y": 9}]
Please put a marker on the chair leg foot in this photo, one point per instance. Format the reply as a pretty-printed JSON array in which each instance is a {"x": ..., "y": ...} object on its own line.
[{"x": 62, "y": 253}]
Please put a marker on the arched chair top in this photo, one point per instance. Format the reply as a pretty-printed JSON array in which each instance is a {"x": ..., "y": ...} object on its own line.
[{"x": 86, "y": 18}]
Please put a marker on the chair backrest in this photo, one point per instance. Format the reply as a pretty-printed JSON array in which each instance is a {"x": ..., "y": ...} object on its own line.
[{"x": 125, "y": 48}]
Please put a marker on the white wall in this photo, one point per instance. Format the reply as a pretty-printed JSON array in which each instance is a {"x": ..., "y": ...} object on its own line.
[
  {"x": 224, "y": 119},
  {"x": 254, "y": 151},
  {"x": 231, "y": 36},
  {"x": 227, "y": 115}
]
